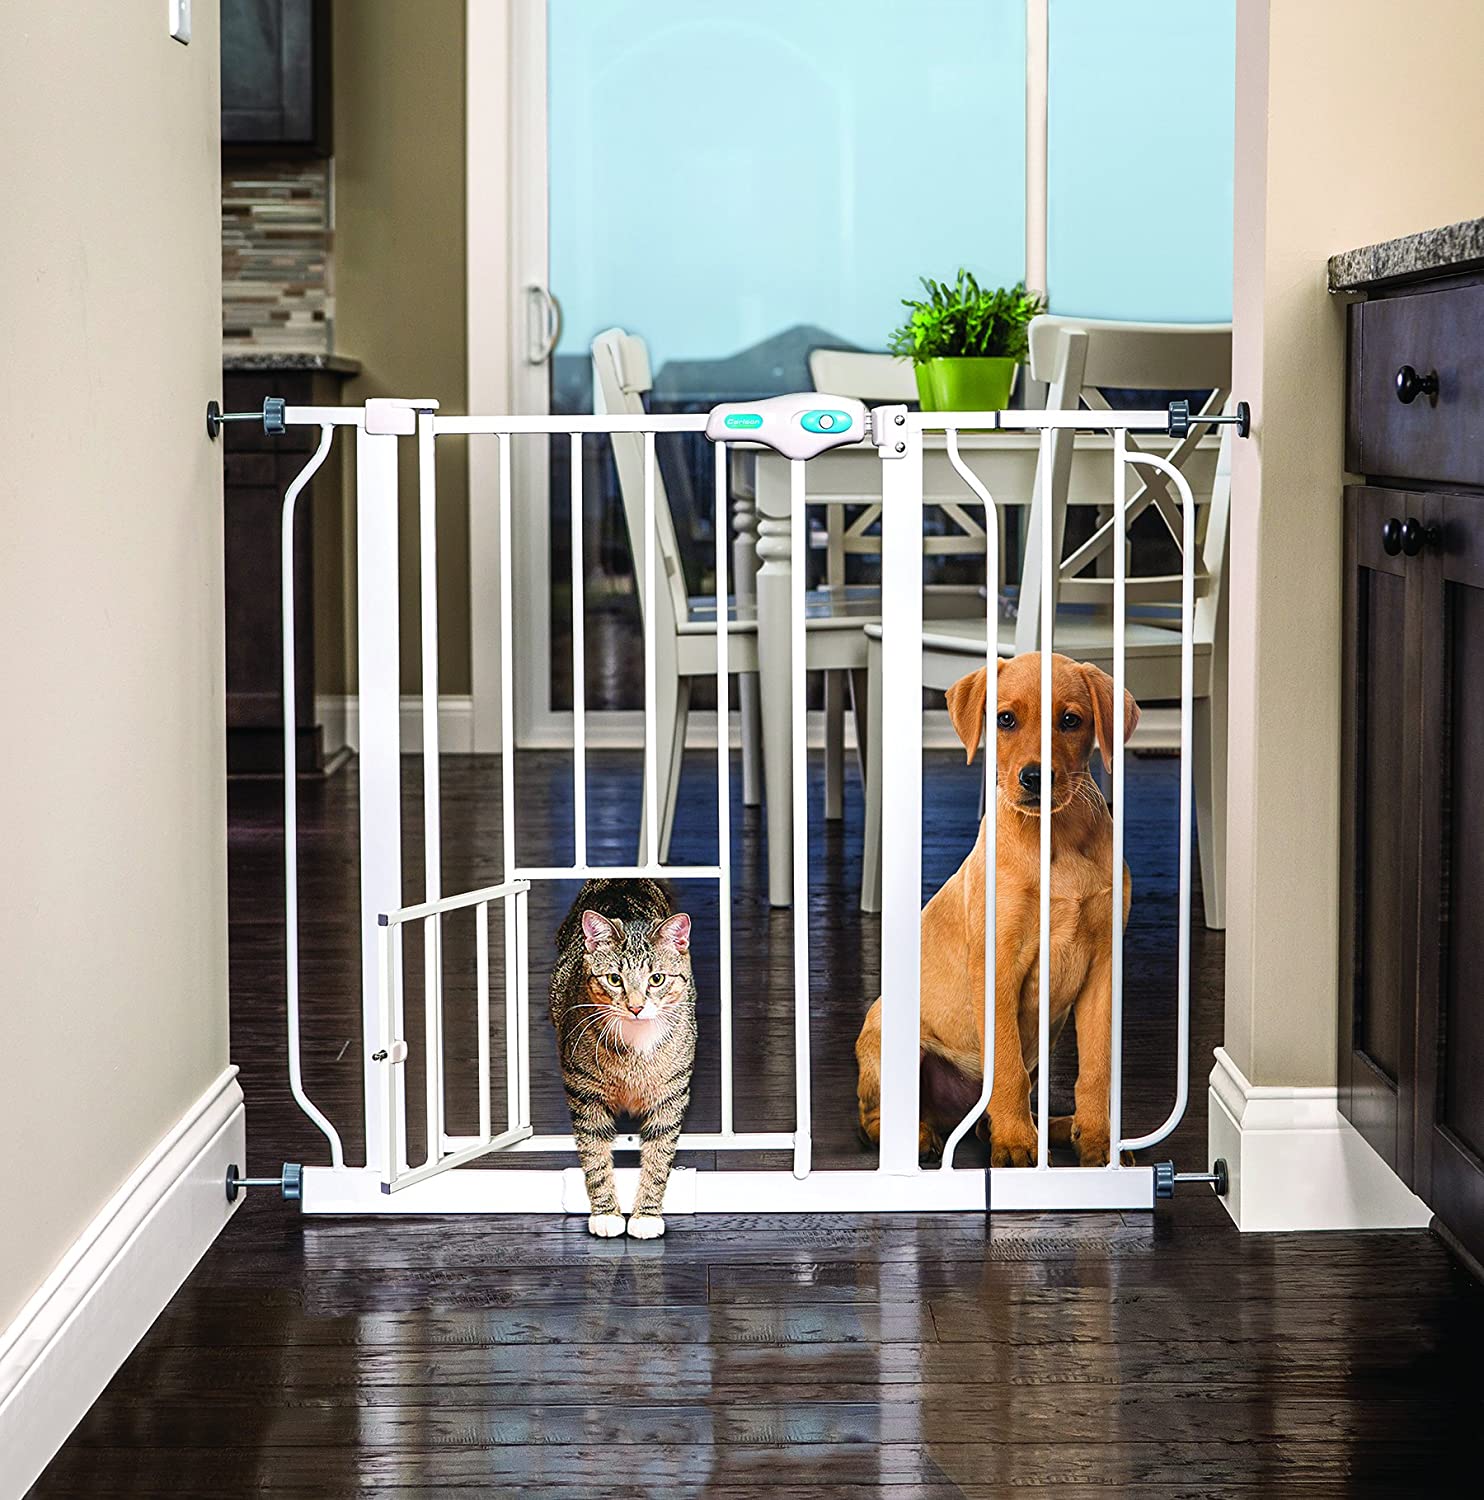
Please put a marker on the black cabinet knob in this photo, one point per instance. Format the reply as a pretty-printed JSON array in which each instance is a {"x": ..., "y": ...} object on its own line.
[
  {"x": 1391, "y": 535},
  {"x": 1410, "y": 385},
  {"x": 1414, "y": 536}
]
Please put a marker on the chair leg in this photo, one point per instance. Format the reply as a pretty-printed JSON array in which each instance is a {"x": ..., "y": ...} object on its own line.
[
  {"x": 871, "y": 850},
  {"x": 834, "y": 744},
  {"x": 676, "y": 759},
  {"x": 1209, "y": 777},
  {"x": 860, "y": 697},
  {"x": 752, "y": 739},
  {"x": 668, "y": 689}
]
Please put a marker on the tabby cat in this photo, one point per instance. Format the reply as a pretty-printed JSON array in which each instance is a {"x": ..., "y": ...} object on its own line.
[{"x": 624, "y": 1006}]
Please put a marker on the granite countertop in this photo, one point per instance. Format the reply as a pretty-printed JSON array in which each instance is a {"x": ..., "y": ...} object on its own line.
[
  {"x": 1455, "y": 247},
  {"x": 274, "y": 359}
]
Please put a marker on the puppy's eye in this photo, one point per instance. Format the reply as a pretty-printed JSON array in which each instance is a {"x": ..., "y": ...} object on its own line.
[
  {"x": 656, "y": 980},
  {"x": 1005, "y": 719},
  {"x": 1070, "y": 720}
]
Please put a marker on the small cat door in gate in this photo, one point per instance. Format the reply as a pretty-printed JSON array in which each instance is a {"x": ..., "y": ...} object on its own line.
[{"x": 445, "y": 1151}]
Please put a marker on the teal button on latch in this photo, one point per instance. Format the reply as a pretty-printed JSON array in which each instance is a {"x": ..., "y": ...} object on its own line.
[{"x": 825, "y": 421}]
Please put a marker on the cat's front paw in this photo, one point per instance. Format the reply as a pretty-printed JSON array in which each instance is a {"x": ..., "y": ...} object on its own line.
[
  {"x": 646, "y": 1227},
  {"x": 605, "y": 1226}
]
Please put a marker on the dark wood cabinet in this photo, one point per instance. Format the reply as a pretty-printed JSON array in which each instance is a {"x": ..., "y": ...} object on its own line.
[
  {"x": 276, "y": 77},
  {"x": 1411, "y": 1041}
]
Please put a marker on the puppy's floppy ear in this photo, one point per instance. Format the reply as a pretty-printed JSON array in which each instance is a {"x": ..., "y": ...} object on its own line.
[
  {"x": 1100, "y": 685},
  {"x": 966, "y": 707},
  {"x": 675, "y": 931},
  {"x": 598, "y": 929}
]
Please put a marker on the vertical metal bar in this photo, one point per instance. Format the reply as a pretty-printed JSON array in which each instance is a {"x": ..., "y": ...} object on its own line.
[
  {"x": 432, "y": 811},
  {"x": 723, "y": 534},
  {"x": 291, "y": 799},
  {"x": 507, "y": 668},
  {"x": 798, "y": 518},
  {"x": 523, "y": 1001},
  {"x": 399, "y": 1071},
  {"x": 901, "y": 814},
  {"x": 1120, "y": 608},
  {"x": 1187, "y": 713},
  {"x": 513, "y": 1115},
  {"x": 1187, "y": 694},
  {"x": 991, "y": 800},
  {"x": 386, "y": 1034},
  {"x": 579, "y": 666},
  {"x": 433, "y": 1042},
  {"x": 378, "y": 655},
  {"x": 1049, "y": 564},
  {"x": 482, "y": 1011},
  {"x": 651, "y": 748}
]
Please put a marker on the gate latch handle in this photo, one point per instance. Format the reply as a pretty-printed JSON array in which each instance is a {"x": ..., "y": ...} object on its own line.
[{"x": 797, "y": 426}]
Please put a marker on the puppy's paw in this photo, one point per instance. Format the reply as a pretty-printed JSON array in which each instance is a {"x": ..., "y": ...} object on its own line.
[
  {"x": 605, "y": 1226},
  {"x": 1091, "y": 1141},
  {"x": 646, "y": 1227},
  {"x": 1012, "y": 1143},
  {"x": 929, "y": 1143}
]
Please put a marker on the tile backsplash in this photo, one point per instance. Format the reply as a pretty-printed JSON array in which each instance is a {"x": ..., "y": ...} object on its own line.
[{"x": 277, "y": 291}]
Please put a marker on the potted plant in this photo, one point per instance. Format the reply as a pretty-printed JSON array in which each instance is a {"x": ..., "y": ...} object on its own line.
[{"x": 965, "y": 341}]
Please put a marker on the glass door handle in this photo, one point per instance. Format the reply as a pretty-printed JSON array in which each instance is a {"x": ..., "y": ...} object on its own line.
[{"x": 545, "y": 324}]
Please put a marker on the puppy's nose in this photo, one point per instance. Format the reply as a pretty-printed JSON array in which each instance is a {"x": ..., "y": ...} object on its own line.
[{"x": 1030, "y": 778}]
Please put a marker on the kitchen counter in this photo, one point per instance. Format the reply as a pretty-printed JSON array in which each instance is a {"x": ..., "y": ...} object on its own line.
[
  {"x": 1454, "y": 247},
  {"x": 242, "y": 360}
]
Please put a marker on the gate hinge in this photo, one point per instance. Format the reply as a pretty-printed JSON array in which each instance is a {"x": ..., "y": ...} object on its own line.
[{"x": 888, "y": 430}]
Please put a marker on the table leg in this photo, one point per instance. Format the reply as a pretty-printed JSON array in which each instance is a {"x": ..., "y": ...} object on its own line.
[
  {"x": 744, "y": 575},
  {"x": 774, "y": 653}
]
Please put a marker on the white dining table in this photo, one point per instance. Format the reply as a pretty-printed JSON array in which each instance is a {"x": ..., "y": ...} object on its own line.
[{"x": 1005, "y": 462}]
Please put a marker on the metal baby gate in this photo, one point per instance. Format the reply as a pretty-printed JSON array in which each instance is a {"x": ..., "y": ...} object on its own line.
[{"x": 798, "y": 427}]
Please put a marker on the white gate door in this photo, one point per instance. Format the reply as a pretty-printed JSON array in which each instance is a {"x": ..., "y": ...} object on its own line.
[{"x": 443, "y": 1150}]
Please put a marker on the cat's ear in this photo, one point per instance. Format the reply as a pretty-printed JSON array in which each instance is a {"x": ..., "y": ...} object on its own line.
[
  {"x": 597, "y": 930},
  {"x": 675, "y": 931}
]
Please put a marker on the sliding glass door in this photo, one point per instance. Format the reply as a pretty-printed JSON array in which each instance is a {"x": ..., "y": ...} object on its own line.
[{"x": 743, "y": 184}]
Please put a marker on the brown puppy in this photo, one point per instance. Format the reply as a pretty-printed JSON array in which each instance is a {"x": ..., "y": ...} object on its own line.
[{"x": 1081, "y": 921}]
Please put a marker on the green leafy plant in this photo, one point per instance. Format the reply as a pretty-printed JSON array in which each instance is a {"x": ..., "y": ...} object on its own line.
[{"x": 967, "y": 320}]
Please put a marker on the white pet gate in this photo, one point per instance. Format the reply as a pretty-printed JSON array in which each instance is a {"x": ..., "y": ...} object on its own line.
[{"x": 799, "y": 427}]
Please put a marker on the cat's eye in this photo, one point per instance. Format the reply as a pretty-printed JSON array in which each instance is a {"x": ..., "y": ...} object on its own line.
[
  {"x": 656, "y": 980},
  {"x": 615, "y": 980}
]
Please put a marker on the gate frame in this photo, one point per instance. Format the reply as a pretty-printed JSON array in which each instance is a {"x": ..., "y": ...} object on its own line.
[{"x": 898, "y": 1182}]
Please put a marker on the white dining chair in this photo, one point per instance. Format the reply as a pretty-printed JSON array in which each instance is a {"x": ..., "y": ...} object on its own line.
[
  {"x": 879, "y": 379},
  {"x": 685, "y": 627},
  {"x": 1080, "y": 359}
]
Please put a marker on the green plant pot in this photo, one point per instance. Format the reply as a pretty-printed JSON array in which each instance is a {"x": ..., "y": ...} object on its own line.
[{"x": 969, "y": 384}]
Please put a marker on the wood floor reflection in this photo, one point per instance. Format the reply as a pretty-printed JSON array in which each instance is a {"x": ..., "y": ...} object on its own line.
[{"x": 917, "y": 1355}]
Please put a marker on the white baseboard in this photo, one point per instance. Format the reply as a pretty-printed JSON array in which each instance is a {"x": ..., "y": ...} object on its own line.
[
  {"x": 339, "y": 715},
  {"x": 1296, "y": 1163},
  {"x": 68, "y": 1340}
]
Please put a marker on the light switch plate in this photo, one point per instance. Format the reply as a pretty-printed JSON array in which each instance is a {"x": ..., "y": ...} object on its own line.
[{"x": 180, "y": 20}]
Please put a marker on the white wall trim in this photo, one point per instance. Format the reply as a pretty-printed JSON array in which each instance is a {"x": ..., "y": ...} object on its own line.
[
  {"x": 339, "y": 715},
  {"x": 1296, "y": 1162},
  {"x": 66, "y": 1342}
]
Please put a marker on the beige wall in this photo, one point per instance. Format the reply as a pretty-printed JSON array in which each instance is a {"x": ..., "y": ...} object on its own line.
[
  {"x": 1357, "y": 121},
  {"x": 113, "y": 950},
  {"x": 400, "y": 284}
]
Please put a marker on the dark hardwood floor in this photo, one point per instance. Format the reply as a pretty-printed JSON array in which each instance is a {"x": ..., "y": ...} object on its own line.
[{"x": 929, "y": 1356}]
